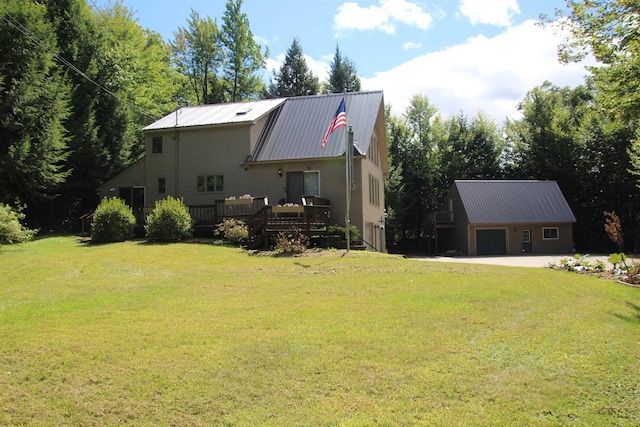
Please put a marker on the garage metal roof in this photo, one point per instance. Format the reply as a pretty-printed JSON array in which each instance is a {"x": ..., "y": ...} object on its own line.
[{"x": 513, "y": 201}]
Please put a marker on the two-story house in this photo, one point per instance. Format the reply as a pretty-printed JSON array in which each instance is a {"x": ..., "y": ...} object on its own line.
[{"x": 267, "y": 148}]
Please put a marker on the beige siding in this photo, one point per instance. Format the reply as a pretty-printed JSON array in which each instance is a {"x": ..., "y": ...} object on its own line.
[
  {"x": 265, "y": 179},
  {"x": 204, "y": 152},
  {"x": 563, "y": 245},
  {"x": 256, "y": 130},
  {"x": 461, "y": 231},
  {"x": 371, "y": 213},
  {"x": 162, "y": 166},
  {"x": 540, "y": 246},
  {"x": 133, "y": 176}
]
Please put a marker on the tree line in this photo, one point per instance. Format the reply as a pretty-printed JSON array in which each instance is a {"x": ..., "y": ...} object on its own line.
[
  {"x": 586, "y": 138},
  {"x": 77, "y": 85}
]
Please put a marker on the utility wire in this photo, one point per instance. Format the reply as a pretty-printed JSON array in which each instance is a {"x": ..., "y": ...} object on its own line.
[{"x": 72, "y": 67}]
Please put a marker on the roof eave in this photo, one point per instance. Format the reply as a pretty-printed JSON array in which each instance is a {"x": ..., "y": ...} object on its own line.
[{"x": 214, "y": 125}]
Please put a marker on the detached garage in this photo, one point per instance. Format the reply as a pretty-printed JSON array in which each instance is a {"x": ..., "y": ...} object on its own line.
[{"x": 506, "y": 217}]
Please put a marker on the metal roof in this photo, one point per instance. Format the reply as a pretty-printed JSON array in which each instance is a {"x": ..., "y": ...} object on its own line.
[
  {"x": 299, "y": 125},
  {"x": 513, "y": 201},
  {"x": 216, "y": 114}
]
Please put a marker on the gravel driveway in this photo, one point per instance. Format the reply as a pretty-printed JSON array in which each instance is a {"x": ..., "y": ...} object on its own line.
[{"x": 514, "y": 261}]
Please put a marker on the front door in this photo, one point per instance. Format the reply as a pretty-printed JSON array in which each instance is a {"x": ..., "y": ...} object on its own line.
[
  {"x": 295, "y": 187},
  {"x": 527, "y": 246}
]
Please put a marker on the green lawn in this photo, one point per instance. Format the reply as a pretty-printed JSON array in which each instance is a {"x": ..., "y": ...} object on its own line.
[{"x": 199, "y": 335}]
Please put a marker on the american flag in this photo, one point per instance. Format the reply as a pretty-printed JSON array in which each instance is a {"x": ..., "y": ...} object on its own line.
[{"x": 339, "y": 120}]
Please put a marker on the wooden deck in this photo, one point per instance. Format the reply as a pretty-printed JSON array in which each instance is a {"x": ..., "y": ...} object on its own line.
[
  {"x": 208, "y": 216},
  {"x": 265, "y": 225},
  {"x": 266, "y": 221},
  {"x": 263, "y": 220}
]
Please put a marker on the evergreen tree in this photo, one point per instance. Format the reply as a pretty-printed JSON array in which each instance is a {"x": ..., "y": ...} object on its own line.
[
  {"x": 294, "y": 77},
  {"x": 33, "y": 106},
  {"x": 87, "y": 160},
  {"x": 121, "y": 80},
  {"x": 243, "y": 55},
  {"x": 342, "y": 76}
]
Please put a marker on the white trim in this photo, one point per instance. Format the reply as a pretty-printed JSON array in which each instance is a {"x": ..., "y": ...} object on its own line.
[{"x": 551, "y": 238}]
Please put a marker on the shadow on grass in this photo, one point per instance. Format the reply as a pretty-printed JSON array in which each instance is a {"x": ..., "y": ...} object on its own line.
[{"x": 632, "y": 318}]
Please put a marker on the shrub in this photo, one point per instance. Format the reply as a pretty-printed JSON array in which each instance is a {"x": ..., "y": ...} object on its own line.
[
  {"x": 614, "y": 229},
  {"x": 234, "y": 231},
  {"x": 580, "y": 264},
  {"x": 11, "y": 229},
  {"x": 338, "y": 230},
  {"x": 291, "y": 242},
  {"x": 113, "y": 221},
  {"x": 170, "y": 221}
]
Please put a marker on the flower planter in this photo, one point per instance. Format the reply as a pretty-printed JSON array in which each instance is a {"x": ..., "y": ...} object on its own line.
[
  {"x": 288, "y": 209},
  {"x": 235, "y": 202}
]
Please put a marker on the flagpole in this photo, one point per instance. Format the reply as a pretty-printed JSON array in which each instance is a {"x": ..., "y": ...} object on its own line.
[{"x": 347, "y": 220}]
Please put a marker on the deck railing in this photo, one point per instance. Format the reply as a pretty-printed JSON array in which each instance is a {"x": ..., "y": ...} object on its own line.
[
  {"x": 443, "y": 217},
  {"x": 270, "y": 220},
  {"x": 239, "y": 208}
]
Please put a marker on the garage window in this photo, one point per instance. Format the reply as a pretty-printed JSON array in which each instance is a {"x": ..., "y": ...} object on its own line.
[{"x": 550, "y": 233}]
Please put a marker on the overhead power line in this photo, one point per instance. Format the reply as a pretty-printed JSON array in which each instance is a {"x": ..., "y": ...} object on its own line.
[{"x": 72, "y": 67}]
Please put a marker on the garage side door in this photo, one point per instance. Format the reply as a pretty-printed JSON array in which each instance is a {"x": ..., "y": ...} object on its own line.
[{"x": 491, "y": 242}]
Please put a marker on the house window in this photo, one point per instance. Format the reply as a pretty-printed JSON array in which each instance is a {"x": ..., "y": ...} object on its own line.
[
  {"x": 209, "y": 183},
  {"x": 550, "y": 233},
  {"x": 162, "y": 187},
  {"x": 156, "y": 145},
  {"x": 374, "y": 154},
  {"x": 374, "y": 190}
]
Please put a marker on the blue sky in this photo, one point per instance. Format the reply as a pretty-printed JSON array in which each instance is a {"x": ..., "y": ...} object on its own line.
[{"x": 465, "y": 55}]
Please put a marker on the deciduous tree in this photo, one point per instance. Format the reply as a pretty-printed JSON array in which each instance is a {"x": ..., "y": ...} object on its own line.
[
  {"x": 243, "y": 55},
  {"x": 610, "y": 31},
  {"x": 198, "y": 55},
  {"x": 413, "y": 163}
]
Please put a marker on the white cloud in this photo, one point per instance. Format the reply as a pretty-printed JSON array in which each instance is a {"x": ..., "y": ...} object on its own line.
[
  {"x": 493, "y": 12},
  {"x": 492, "y": 75},
  {"x": 319, "y": 68},
  {"x": 384, "y": 17},
  {"x": 411, "y": 45},
  {"x": 274, "y": 63}
]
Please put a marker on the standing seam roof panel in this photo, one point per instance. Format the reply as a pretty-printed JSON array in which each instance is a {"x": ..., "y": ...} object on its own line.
[
  {"x": 303, "y": 122},
  {"x": 216, "y": 114},
  {"x": 495, "y": 202}
]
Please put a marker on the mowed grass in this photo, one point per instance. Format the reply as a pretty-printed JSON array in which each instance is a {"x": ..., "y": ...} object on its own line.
[{"x": 201, "y": 335}]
